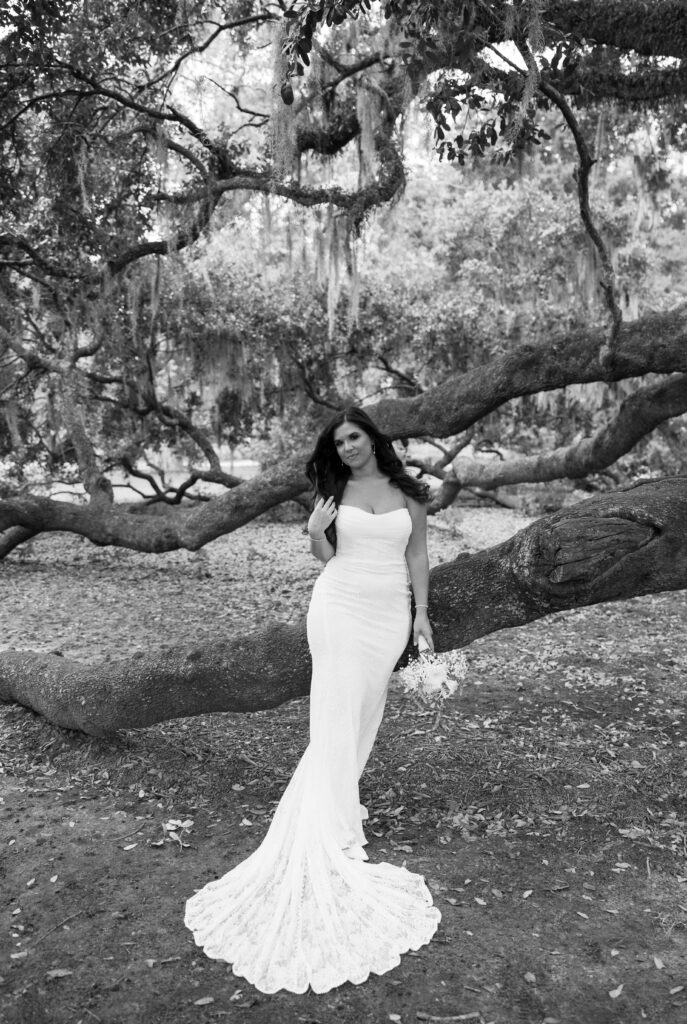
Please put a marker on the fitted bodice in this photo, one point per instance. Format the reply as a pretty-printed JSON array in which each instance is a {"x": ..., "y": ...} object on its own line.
[{"x": 372, "y": 542}]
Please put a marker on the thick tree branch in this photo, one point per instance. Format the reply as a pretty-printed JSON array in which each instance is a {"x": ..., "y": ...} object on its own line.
[
  {"x": 390, "y": 179},
  {"x": 450, "y": 485},
  {"x": 637, "y": 416},
  {"x": 655, "y": 29},
  {"x": 447, "y": 492},
  {"x": 596, "y": 79},
  {"x": 11, "y": 539},
  {"x": 175, "y": 417},
  {"x": 330, "y": 140},
  {"x": 595, "y": 82},
  {"x": 117, "y": 526},
  {"x": 611, "y": 547},
  {"x": 652, "y": 28},
  {"x": 164, "y": 246},
  {"x": 462, "y": 400},
  {"x": 443, "y": 411}
]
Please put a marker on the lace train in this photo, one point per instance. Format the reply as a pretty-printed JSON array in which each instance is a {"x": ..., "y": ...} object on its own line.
[{"x": 298, "y": 912}]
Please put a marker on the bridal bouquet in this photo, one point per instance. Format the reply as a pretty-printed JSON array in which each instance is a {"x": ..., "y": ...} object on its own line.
[{"x": 434, "y": 677}]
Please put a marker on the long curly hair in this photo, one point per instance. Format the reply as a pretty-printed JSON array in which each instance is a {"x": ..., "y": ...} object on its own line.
[{"x": 329, "y": 476}]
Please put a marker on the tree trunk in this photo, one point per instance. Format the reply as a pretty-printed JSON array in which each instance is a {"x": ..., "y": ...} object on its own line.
[{"x": 614, "y": 546}]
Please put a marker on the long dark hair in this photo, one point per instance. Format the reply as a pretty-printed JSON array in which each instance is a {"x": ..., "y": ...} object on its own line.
[{"x": 329, "y": 476}]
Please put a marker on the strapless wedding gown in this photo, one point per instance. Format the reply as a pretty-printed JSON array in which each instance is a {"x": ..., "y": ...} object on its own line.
[{"x": 305, "y": 909}]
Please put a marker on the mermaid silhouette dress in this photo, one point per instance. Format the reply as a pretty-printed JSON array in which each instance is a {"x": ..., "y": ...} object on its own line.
[{"x": 305, "y": 909}]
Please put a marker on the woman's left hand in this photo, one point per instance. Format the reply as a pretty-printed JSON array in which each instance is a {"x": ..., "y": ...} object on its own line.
[{"x": 421, "y": 627}]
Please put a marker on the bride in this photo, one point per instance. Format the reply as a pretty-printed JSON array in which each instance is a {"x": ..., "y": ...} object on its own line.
[{"x": 305, "y": 909}]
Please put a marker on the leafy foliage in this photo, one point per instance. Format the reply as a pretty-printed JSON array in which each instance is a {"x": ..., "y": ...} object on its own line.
[{"x": 131, "y": 261}]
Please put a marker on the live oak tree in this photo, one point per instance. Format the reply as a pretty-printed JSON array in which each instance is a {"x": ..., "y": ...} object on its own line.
[{"x": 111, "y": 164}]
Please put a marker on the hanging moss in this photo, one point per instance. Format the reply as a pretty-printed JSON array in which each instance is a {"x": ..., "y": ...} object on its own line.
[
  {"x": 333, "y": 244},
  {"x": 535, "y": 29},
  {"x": 368, "y": 111},
  {"x": 354, "y": 279},
  {"x": 282, "y": 115}
]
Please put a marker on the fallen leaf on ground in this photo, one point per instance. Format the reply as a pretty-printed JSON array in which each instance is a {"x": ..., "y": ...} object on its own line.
[{"x": 461, "y": 1016}]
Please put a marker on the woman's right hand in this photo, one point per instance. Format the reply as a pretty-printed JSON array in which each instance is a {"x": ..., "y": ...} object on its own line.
[{"x": 323, "y": 515}]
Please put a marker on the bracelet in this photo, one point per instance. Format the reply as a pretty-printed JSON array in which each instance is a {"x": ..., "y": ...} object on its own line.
[
  {"x": 317, "y": 540},
  {"x": 422, "y": 606}
]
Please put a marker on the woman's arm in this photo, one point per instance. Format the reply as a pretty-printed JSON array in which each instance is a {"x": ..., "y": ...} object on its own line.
[
  {"x": 417, "y": 560},
  {"x": 323, "y": 515},
  {"x": 321, "y": 548}
]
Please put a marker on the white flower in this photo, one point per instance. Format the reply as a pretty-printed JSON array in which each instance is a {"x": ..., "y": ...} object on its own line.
[
  {"x": 434, "y": 677},
  {"x": 451, "y": 686}
]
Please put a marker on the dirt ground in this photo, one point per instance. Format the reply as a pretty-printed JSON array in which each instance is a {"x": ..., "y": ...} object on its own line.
[{"x": 545, "y": 805}]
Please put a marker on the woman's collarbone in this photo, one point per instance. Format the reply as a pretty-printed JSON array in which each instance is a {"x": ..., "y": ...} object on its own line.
[{"x": 372, "y": 499}]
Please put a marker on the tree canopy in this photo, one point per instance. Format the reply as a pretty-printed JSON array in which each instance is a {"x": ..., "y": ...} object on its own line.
[{"x": 137, "y": 140}]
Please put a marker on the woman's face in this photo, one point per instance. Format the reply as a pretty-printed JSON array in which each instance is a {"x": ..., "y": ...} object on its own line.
[{"x": 353, "y": 445}]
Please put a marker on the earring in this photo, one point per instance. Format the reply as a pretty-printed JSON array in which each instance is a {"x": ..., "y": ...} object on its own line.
[{"x": 373, "y": 449}]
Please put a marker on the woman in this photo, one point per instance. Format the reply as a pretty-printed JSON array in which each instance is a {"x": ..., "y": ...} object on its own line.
[{"x": 304, "y": 910}]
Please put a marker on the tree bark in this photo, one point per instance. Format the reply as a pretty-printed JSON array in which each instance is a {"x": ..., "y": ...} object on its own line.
[
  {"x": 12, "y": 538},
  {"x": 611, "y": 547},
  {"x": 608, "y": 548}
]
